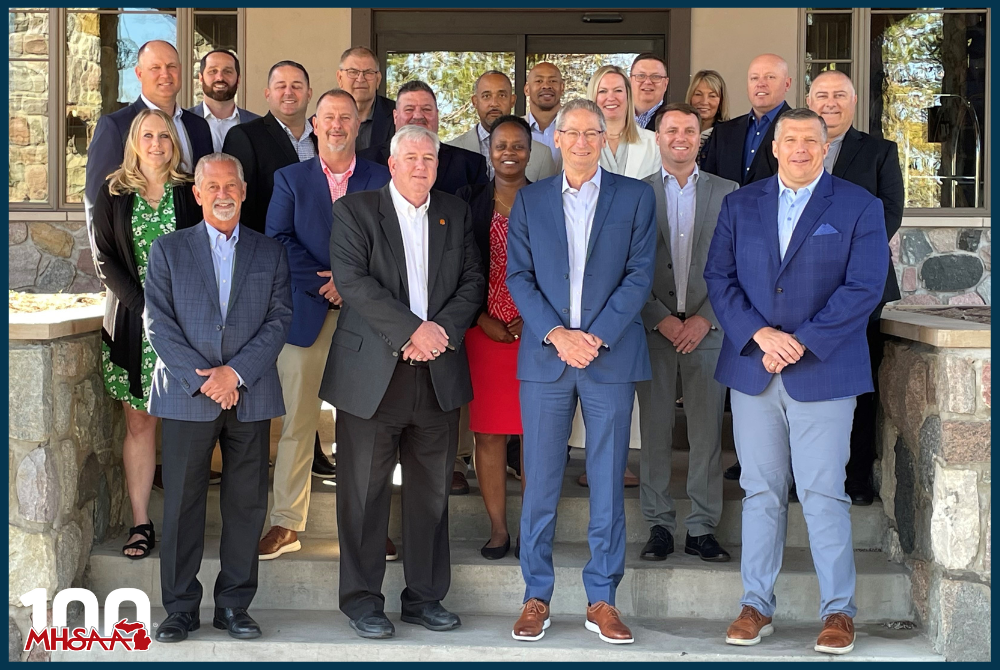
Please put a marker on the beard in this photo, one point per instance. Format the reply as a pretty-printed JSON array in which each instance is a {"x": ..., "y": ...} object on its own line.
[
  {"x": 222, "y": 95},
  {"x": 336, "y": 148},
  {"x": 224, "y": 215}
]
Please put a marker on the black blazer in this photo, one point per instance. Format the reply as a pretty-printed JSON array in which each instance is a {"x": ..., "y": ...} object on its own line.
[
  {"x": 383, "y": 125},
  {"x": 724, "y": 151},
  {"x": 456, "y": 167},
  {"x": 114, "y": 258},
  {"x": 263, "y": 148},
  {"x": 873, "y": 164},
  {"x": 107, "y": 150}
]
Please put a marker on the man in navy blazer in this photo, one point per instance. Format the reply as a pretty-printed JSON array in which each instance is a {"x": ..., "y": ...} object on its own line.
[
  {"x": 797, "y": 264},
  {"x": 300, "y": 216},
  {"x": 579, "y": 267},
  {"x": 218, "y": 308}
]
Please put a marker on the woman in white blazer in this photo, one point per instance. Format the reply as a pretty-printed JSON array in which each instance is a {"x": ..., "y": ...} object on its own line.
[{"x": 630, "y": 150}]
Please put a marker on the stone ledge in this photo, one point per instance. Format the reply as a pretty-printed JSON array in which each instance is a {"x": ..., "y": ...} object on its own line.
[
  {"x": 934, "y": 330},
  {"x": 55, "y": 324}
]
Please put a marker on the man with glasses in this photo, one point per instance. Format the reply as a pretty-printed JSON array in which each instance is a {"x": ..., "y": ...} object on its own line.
[
  {"x": 359, "y": 75},
  {"x": 649, "y": 86}
]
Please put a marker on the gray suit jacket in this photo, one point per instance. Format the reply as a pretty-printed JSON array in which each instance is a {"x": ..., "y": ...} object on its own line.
[
  {"x": 662, "y": 301},
  {"x": 244, "y": 114},
  {"x": 540, "y": 164},
  {"x": 185, "y": 328}
]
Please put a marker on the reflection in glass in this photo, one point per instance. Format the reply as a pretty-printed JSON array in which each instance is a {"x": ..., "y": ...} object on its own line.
[
  {"x": 577, "y": 68},
  {"x": 211, "y": 31},
  {"x": 813, "y": 70},
  {"x": 28, "y": 139},
  {"x": 828, "y": 37},
  {"x": 27, "y": 35},
  {"x": 452, "y": 75},
  {"x": 928, "y": 83},
  {"x": 101, "y": 54}
]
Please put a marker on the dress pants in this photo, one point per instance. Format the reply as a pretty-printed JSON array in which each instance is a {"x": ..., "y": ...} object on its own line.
[
  {"x": 776, "y": 437},
  {"x": 410, "y": 426},
  {"x": 466, "y": 442},
  {"x": 864, "y": 433},
  {"x": 704, "y": 400},
  {"x": 186, "y": 462},
  {"x": 547, "y": 417}
]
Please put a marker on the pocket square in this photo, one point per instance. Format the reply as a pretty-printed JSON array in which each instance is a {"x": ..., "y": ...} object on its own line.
[{"x": 826, "y": 229}]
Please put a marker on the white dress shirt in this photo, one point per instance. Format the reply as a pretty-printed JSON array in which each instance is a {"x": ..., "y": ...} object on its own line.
[
  {"x": 224, "y": 262},
  {"x": 220, "y": 127},
  {"x": 680, "y": 215},
  {"x": 413, "y": 227},
  {"x": 791, "y": 204},
  {"x": 187, "y": 153},
  {"x": 579, "y": 206}
]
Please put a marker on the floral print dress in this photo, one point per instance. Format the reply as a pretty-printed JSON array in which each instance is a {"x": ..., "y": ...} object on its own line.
[{"x": 147, "y": 225}]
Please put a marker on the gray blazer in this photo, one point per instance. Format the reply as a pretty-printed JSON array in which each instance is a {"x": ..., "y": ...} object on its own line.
[
  {"x": 244, "y": 114},
  {"x": 540, "y": 164},
  {"x": 662, "y": 300},
  {"x": 185, "y": 328}
]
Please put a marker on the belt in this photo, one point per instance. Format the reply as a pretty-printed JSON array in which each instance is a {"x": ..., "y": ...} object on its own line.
[
  {"x": 681, "y": 315},
  {"x": 413, "y": 363}
]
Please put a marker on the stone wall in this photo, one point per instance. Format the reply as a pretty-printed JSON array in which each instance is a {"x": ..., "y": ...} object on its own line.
[
  {"x": 943, "y": 266},
  {"x": 935, "y": 485},
  {"x": 66, "y": 484},
  {"x": 51, "y": 256}
]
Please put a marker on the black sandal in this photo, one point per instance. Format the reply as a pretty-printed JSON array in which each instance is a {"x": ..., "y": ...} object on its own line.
[{"x": 145, "y": 545}]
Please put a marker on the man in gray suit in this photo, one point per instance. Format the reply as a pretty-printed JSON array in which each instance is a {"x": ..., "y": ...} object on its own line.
[
  {"x": 494, "y": 97},
  {"x": 219, "y": 75},
  {"x": 683, "y": 335},
  {"x": 218, "y": 310}
]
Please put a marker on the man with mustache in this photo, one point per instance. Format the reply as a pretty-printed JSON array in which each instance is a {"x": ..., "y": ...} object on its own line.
[
  {"x": 300, "y": 216},
  {"x": 494, "y": 97},
  {"x": 359, "y": 75},
  {"x": 544, "y": 90},
  {"x": 218, "y": 309},
  {"x": 219, "y": 75}
]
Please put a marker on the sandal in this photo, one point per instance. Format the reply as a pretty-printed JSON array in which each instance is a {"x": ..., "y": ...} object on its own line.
[{"x": 145, "y": 545}]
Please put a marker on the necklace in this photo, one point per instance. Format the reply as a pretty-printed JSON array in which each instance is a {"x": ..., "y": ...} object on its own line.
[{"x": 497, "y": 198}]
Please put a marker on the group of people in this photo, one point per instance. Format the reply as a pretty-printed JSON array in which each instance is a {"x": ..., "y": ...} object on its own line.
[{"x": 445, "y": 297}]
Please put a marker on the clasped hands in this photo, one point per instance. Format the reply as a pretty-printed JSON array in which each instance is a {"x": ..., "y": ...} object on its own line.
[
  {"x": 498, "y": 331},
  {"x": 575, "y": 347},
  {"x": 221, "y": 385},
  {"x": 780, "y": 349},
  {"x": 428, "y": 342},
  {"x": 684, "y": 335}
]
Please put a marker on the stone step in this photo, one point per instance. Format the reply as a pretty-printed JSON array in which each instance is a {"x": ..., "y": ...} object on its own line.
[
  {"x": 682, "y": 586},
  {"x": 303, "y": 635}
]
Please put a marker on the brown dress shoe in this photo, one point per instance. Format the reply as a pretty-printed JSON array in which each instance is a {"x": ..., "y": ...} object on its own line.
[
  {"x": 837, "y": 636},
  {"x": 631, "y": 480},
  {"x": 748, "y": 628},
  {"x": 459, "y": 484},
  {"x": 390, "y": 550},
  {"x": 605, "y": 620},
  {"x": 534, "y": 619},
  {"x": 276, "y": 542}
]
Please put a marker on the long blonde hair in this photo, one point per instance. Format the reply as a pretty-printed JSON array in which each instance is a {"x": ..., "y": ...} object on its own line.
[
  {"x": 128, "y": 178},
  {"x": 631, "y": 133},
  {"x": 716, "y": 84}
]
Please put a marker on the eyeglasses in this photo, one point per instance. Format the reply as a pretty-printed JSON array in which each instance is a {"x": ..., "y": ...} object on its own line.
[
  {"x": 655, "y": 78},
  {"x": 574, "y": 135},
  {"x": 354, "y": 74}
]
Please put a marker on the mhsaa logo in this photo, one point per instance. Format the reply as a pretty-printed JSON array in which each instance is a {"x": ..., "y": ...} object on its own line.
[{"x": 132, "y": 636}]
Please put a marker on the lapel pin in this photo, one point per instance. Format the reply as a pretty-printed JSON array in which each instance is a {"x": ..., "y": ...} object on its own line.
[{"x": 441, "y": 222}]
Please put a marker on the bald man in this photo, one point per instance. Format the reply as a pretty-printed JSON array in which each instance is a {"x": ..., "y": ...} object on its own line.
[
  {"x": 872, "y": 164},
  {"x": 739, "y": 150},
  {"x": 543, "y": 90}
]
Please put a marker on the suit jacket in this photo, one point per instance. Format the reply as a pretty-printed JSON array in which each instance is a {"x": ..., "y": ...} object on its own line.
[
  {"x": 107, "y": 148},
  {"x": 709, "y": 192},
  {"x": 619, "y": 273},
  {"x": 873, "y": 164},
  {"x": 724, "y": 151},
  {"x": 830, "y": 280},
  {"x": 540, "y": 163},
  {"x": 263, "y": 148},
  {"x": 369, "y": 269},
  {"x": 456, "y": 167},
  {"x": 300, "y": 216},
  {"x": 643, "y": 157},
  {"x": 383, "y": 125},
  {"x": 185, "y": 327},
  {"x": 245, "y": 116}
]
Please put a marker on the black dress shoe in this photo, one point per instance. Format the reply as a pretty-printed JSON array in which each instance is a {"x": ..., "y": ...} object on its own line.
[
  {"x": 432, "y": 617},
  {"x": 733, "y": 472},
  {"x": 707, "y": 547},
  {"x": 374, "y": 626},
  {"x": 236, "y": 620},
  {"x": 659, "y": 546},
  {"x": 322, "y": 465},
  {"x": 175, "y": 627},
  {"x": 860, "y": 493},
  {"x": 495, "y": 553},
  {"x": 517, "y": 548}
]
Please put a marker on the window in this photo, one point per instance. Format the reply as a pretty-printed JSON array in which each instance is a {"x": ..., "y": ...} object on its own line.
[
  {"x": 27, "y": 106},
  {"x": 213, "y": 29}
]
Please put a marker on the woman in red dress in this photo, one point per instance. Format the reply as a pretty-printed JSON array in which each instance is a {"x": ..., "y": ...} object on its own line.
[{"x": 495, "y": 411}]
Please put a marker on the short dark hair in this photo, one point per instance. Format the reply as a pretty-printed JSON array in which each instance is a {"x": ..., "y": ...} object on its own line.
[
  {"x": 800, "y": 114},
  {"x": 359, "y": 51},
  {"x": 676, "y": 107},
  {"x": 415, "y": 85},
  {"x": 204, "y": 59},
  {"x": 287, "y": 63},
  {"x": 648, "y": 56},
  {"x": 517, "y": 121},
  {"x": 337, "y": 93}
]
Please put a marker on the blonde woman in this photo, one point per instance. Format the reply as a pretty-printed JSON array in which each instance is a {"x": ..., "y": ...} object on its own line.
[
  {"x": 629, "y": 150},
  {"x": 707, "y": 94},
  {"x": 146, "y": 197}
]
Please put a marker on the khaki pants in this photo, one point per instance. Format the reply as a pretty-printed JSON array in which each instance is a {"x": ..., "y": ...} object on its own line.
[
  {"x": 466, "y": 442},
  {"x": 300, "y": 370}
]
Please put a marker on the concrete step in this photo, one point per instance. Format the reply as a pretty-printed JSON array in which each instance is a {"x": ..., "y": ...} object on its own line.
[
  {"x": 302, "y": 635},
  {"x": 681, "y": 587},
  {"x": 468, "y": 520}
]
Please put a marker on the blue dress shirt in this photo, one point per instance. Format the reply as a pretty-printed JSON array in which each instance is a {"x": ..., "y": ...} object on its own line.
[
  {"x": 223, "y": 262},
  {"x": 791, "y": 204},
  {"x": 756, "y": 129}
]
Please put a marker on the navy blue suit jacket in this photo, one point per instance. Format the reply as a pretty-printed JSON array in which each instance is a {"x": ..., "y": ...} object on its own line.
[
  {"x": 830, "y": 280},
  {"x": 618, "y": 277},
  {"x": 300, "y": 216}
]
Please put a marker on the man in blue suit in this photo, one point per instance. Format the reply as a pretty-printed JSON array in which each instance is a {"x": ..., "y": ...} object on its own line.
[
  {"x": 300, "y": 216},
  {"x": 797, "y": 263},
  {"x": 218, "y": 308},
  {"x": 579, "y": 267}
]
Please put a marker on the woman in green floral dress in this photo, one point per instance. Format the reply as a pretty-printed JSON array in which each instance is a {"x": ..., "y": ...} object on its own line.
[{"x": 147, "y": 197}]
